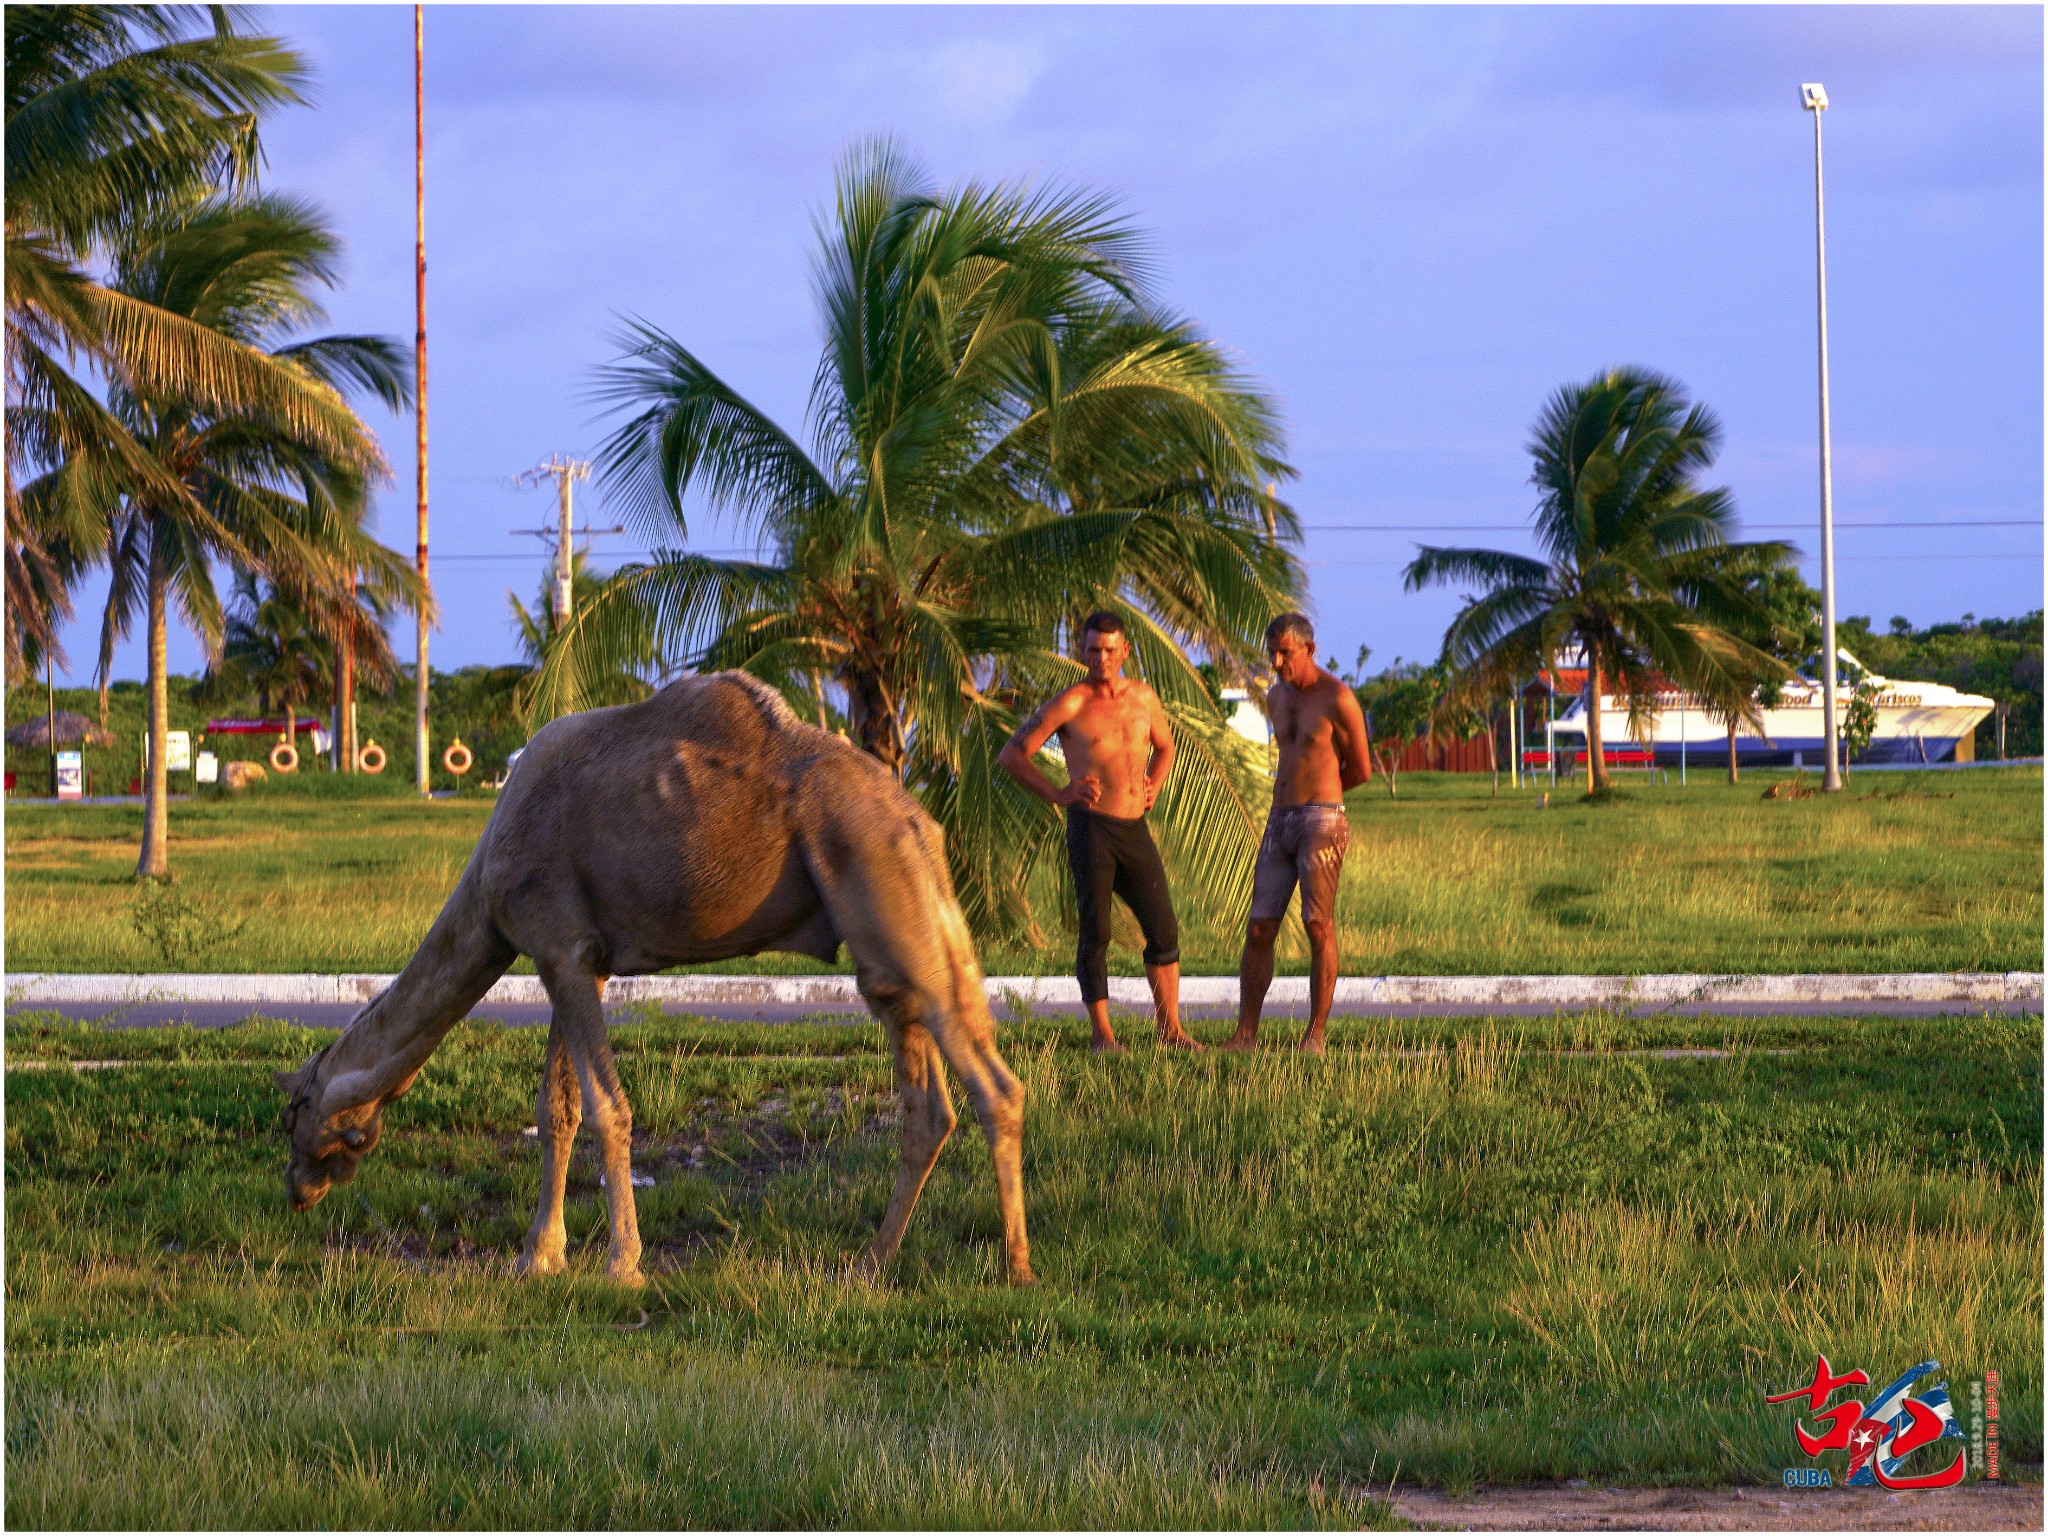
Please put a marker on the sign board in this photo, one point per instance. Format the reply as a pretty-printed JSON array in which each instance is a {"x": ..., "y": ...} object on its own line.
[
  {"x": 208, "y": 769},
  {"x": 70, "y": 775},
  {"x": 177, "y": 751}
]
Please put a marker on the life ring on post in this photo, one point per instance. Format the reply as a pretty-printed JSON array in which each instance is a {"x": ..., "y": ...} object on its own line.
[
  {"x": 371, "y": 758},
  {"x": 284, "y": 757},
  {"x": 458, "y": 759}
]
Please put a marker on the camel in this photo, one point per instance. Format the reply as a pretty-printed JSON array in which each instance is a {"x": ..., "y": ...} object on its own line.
[{"x": 704, "y": 823}]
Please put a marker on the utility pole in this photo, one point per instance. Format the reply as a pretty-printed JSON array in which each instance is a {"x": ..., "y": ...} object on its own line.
[
  {"x": 1815, "y": 99},
  {"x": 419, "y": 147},
  {"x": 565, "y": 472}
]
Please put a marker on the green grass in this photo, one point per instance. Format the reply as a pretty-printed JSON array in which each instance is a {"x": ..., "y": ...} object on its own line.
[
  {"x": 1904, "y": 872},
  {"x": 1456, "y": 1251}
]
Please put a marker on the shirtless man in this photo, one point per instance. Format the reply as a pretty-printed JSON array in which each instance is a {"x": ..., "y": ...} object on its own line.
[
  {"x": 1118, "y": 751},
  {"x": 1321, "y": 732}
]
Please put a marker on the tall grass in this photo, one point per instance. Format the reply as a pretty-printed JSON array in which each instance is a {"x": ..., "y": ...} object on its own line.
[
  {"x": 1905, "y": 872},
  {"x": 1456, "y": 1251}
]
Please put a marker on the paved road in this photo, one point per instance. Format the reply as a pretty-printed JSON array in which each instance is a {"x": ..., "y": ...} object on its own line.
[{"x": 334, "y": 1015}]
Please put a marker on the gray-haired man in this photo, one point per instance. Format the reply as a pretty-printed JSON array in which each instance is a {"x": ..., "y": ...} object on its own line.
[{"x": 1321, "y": 734}]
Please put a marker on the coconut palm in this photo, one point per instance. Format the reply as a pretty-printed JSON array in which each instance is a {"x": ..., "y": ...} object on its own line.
[
  {"x": 273, "y": 646},
  {"x": 1782, "y": 621},
  {"x": 245, "y": 485},
  {"x": 1638, "y": 573},
  {"x": 539, "y": 639},
  {"x": 1006, "y": 434},
  {"x": 115, "y": 115}
]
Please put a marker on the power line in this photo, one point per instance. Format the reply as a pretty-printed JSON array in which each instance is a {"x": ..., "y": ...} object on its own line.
[{"x": 1989, "y": 522}]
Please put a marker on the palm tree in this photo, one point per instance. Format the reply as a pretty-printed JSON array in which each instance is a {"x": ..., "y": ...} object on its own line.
[
  {"x": 1638, "y": 573},
  {"x": 539, "y": 639},
  {"x": 245, "y": 486},
  {"x": 115, "y": 115},
  {"x": 1007, "y": 433},
  {"x": 1783, "y": 622},
  {"x": 272, "y": 645}
]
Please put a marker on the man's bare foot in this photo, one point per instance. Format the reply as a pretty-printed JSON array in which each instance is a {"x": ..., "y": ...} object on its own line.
[
  {"x": 1243, "y": 1040},
  {"x": 1312, "y": 1042},
  {"x": 1179, "y": 1039},
  {"x": 1106, "y": 1045}
]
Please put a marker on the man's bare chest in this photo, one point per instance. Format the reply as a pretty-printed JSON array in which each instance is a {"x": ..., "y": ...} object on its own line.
[
  {"x": 1299, "y": 722},
  {"x": 1110, "y": 726}
]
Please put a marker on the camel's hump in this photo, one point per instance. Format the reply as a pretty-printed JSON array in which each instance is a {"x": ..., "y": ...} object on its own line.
[{"x": 736, "y": 715}]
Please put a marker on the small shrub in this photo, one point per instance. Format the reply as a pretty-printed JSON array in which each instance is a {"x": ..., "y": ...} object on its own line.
[{"x": 178, "y": 927}]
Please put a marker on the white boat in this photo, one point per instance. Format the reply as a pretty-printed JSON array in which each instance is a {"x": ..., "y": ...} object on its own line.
[{"x": 1916, "y": 723}]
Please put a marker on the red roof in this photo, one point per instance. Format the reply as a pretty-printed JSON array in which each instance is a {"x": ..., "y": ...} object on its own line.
[{"x": 255, "y": 727}]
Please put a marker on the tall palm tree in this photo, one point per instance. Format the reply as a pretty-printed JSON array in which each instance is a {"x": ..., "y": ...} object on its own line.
[
  {"x": 1638, "y": 574},
  {"x": 1006, "y": 433},
  {"x": 115, "y": 115},
  {"x": 246, "y": 485}
]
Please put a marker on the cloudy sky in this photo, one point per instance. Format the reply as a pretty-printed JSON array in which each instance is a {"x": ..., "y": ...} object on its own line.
[{"x": 1410, "y": 223}]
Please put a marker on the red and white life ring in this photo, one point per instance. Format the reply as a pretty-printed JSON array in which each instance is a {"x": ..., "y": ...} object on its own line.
[
  {"x": 458, "y": 759},
  {"x": 284, "y": 757},
  {"x": 371, "y": 758}
]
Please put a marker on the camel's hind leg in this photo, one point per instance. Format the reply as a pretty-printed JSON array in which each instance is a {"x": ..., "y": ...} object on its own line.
[
  {"x": 966, "y": 1036},
  {"x": 890, "y": 900},
  {"x": 556, "y": 1117},
  {"x": 928, "y": 1119},
  {"x": 579, "y": 1017}
]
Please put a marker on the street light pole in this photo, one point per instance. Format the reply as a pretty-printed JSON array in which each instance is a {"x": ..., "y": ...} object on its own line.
[{"x": 1815, "y": 99}]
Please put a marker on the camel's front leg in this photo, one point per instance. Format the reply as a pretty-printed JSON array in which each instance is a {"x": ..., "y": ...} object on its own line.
[
  {"x": 928, "y": 1119},
  {"x": 579, "y": 1016},
  {"x": 556, "y": 1117}
]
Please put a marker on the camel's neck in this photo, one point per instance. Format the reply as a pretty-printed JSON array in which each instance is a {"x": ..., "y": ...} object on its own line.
[{"x": 385, "y": 1045}]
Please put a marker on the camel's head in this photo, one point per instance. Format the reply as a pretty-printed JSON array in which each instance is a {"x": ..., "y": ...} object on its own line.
[{"x": 325, "y": 1148}]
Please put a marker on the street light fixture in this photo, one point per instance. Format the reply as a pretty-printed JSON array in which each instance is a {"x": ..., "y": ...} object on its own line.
[{"x": 1814, "y": 98}]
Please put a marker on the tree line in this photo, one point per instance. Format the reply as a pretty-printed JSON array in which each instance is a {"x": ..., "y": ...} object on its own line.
[
  {"x": 1008, "y": 428},
  {"x": 167, "y": 412}
]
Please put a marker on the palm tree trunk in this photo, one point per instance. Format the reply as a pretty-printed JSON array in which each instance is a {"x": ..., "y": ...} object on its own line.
[
  {"x": 156, "y": 810},
  {"x": 876, "y": 730},
  {"x": 1596, "y": 752},
  {"x": 1733, "y": 772}
]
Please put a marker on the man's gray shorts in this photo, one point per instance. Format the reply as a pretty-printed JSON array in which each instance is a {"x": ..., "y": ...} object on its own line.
[{"x": 1304, "y": 845}]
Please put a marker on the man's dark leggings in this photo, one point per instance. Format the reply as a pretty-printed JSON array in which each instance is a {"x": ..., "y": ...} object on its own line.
[{"x": 1115, "y": 854}]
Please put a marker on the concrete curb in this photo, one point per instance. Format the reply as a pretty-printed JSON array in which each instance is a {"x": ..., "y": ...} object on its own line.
[{"x": 1354, "y": 993}]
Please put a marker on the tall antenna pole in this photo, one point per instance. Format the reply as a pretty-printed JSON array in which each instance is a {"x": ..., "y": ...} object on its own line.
[
  {"x": 419, "y": 131},
  {"x": 1815, "y": 100}
]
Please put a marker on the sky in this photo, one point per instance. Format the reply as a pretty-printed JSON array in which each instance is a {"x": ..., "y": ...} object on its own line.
[{"x": 1410, "y": 224}]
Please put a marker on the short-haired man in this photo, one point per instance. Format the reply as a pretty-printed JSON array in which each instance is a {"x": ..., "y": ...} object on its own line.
[
  {"x": 1321, "y": 734},
  {"x": 1118, "y": 750}
]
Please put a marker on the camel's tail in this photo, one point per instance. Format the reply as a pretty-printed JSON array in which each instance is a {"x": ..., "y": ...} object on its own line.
[{"x": 385, "y": 1045}]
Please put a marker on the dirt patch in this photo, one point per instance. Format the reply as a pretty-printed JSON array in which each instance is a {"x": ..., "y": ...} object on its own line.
[{"x": 1560, "y": 1507}]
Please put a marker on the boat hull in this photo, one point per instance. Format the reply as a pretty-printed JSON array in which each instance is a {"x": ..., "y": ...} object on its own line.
[{"x": 1909, "y": 730}]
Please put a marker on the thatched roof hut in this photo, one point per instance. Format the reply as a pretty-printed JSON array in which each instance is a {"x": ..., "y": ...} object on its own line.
[{"x": 72, "y": 730}]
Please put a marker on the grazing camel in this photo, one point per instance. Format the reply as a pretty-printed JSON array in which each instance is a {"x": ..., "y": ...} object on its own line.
[{"x": 704, "y": 823}]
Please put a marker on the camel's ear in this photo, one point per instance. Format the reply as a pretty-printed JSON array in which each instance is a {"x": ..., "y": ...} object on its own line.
[{"x": 286, "y": 1081}]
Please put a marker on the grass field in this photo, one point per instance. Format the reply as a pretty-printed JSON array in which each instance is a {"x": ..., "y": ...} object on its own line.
[
  {"x": 1904, "y": 872},
  {"x": 1453, "y": 1252}
]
